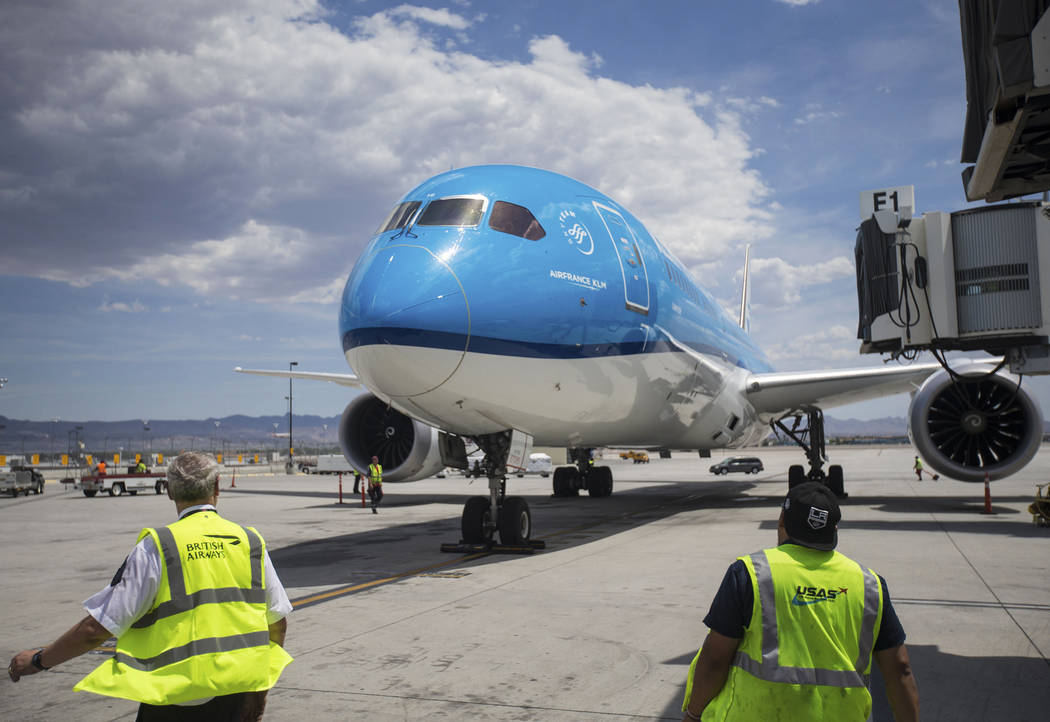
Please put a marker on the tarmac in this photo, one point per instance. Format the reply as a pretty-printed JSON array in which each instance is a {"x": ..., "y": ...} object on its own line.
[{"x": 601, "y": 625}]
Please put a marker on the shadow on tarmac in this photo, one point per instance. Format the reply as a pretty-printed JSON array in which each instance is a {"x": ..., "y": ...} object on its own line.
[
  {"x": 951, "y": 687},
  {"x": 368, "y": 555}
]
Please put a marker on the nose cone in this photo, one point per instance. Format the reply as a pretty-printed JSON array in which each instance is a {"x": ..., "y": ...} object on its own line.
[{"x": 404, "y": 321}]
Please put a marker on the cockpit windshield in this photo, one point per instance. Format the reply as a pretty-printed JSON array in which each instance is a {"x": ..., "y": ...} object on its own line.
[
  {"x": 399, "y": 216},
  {"x": 453, "y": 212},
  {"x": 516, "y": 220}
]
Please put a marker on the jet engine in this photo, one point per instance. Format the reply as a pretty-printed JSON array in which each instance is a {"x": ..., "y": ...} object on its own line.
[
  {"x": 407, "y": 449},
  {"x": 975, "y": 424}
]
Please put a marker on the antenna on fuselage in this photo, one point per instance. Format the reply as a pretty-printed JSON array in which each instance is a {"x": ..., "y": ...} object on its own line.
[{"x": 745, "y": 293}]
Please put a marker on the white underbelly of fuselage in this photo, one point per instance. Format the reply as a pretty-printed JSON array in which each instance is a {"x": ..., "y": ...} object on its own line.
[{"x": 657, "y": 399}]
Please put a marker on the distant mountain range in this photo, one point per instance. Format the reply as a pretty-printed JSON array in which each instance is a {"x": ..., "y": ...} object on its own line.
[
  {"x": 212, "y": 434},
  {"x": 231, "y": 433},
  {"x": 259, "y": 431}
]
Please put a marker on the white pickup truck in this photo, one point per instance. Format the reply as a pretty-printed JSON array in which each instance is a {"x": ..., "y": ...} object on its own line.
[
  {"x": 117, "y": 484},
  {"x": 20, "y": 479}
]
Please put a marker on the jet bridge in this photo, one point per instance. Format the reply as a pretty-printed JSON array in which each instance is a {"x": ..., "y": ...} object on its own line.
[
  {"x": 973, "y": 280},
  {"x": 1006, "y": 49}
]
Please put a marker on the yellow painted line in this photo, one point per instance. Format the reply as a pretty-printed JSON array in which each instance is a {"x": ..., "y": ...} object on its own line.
[{"x": 342, "y": 591}]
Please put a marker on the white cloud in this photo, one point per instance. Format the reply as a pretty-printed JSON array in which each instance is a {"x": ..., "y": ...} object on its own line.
[
  {"x": 821, "y": 349},
  {"x": 776, "y": 281},
  {"x": 752, "y": 105},
  {"x": 248, "y": 149},
  {"x": 442, "y": 17},
  {"x": 815, "y": 114},
  {"x": 135, "y": 306},
  {"x": 798, "y": 3}
]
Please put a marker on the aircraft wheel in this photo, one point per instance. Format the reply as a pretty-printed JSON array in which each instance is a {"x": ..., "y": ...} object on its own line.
[
  {"x": 601, "y": 481},
  {"x": 835, "y": 480},
  {"x": 472, "y": 524},
  {"x": 515, "y": 521},
  {"x": 564, "y": 481},
  {"x": 796, "y": 475}
]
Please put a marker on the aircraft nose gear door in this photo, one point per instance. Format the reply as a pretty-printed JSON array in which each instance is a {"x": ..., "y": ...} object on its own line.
[{"x": 635, "y": 279}]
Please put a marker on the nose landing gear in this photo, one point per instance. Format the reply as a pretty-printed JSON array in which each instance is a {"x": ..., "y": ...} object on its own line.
[{"x": 485, "y": 516}]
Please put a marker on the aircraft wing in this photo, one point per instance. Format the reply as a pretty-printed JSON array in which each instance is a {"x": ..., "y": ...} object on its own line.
[
  {"x": 777, "y": 394},
  {"x": 341, "y": 379}
]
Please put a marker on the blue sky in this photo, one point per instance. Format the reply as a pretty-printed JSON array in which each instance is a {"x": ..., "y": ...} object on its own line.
[{"x": 185, "y": 190}]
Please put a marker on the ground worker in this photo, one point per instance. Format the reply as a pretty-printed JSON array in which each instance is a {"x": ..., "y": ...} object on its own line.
[
  {"x": 197, "y": 609},
  {"x": 140, "y": 468},
  {"x": 100, "y": 470},
  {"x": 357, "y": 481},
  {"x": 918, "y": 468},
  {"x": 375, "y": 483},
  {"x": 793, "y": 630}
]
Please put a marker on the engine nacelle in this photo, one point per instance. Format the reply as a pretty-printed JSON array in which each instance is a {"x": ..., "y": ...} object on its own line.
[
  {"x": 407, "y": 449},
  {"x": 975, "y": 425}
]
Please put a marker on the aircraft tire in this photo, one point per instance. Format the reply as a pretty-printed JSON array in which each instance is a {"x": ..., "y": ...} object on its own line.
[
  {"x": 796, "y": 475},
  {"x": 835, "y": 482},
  {"x": 472, "y": 524},
  {"x": 601, "y": 481},
  {"x": 563, "y": 482},
  {"x": 515, "y": 521}
]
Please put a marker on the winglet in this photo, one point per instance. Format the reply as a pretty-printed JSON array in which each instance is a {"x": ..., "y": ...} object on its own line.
[{"x": 745, "y": 293}]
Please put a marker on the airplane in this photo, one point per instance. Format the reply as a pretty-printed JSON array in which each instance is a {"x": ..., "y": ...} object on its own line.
[{"x": 510, "y": 306}]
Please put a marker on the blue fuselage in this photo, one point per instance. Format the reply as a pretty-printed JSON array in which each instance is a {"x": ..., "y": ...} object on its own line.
[{"x": 502, "y": 297}]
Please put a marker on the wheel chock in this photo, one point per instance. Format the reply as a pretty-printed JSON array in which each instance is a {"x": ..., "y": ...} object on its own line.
[{"x": 464, "y": 547}]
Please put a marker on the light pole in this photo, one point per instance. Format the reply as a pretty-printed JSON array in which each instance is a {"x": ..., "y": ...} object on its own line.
[
  {"x": 291, "y": 450},
  {"x": 51, "y": 439},
  {"x": 145, "y": 435},
  {"x": 215, "y": 438}
]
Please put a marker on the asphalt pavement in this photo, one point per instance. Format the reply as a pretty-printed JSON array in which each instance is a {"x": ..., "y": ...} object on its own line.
[{"x": 599, "y": 625}]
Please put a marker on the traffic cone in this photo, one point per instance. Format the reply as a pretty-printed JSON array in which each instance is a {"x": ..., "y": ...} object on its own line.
[{"x": 987, "y": 497}]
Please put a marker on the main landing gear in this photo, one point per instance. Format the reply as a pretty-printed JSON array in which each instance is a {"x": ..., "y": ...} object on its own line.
[
  {"x": 811, "y": 439},
  {"x": 483, "y": 516},
  {"x": 569, "y": 480}
]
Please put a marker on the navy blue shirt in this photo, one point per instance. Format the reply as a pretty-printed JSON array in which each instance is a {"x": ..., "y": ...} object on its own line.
[{"x": 730, "y": 612}]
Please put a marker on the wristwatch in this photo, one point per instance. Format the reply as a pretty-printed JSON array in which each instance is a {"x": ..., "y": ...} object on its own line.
[{"x": 35, "y": 661}]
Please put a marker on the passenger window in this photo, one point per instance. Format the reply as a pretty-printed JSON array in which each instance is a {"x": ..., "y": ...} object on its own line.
[
  {"x": 399, "y": 216},
  {"x": 515, "y": 220},
  {"x": 453, "y": 212}
]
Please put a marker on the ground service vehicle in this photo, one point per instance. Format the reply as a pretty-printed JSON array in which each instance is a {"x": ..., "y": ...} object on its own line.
[
  {"x": 21, "y": 479},
  {"x": 330, "y": 464},
  {"x": 117, "y": 484},
  {"x": 638, "y": 457},
  {"x": 745, "y": 464}
]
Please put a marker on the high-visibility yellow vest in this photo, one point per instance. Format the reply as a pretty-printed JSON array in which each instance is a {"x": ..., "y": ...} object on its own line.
[
  {"x": 206, "y": 633},
  {"x": 375, "y": 472},
  {"x": 807, "y": 651}
]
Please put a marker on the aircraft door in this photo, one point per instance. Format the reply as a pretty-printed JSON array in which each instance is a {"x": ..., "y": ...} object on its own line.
[{"x": 635, "y": 278}]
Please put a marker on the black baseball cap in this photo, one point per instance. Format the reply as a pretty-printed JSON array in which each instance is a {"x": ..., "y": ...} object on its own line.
[{"x": 811, "y": 513}]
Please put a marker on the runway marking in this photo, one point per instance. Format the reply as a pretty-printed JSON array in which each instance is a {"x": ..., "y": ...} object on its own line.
[
  {"x": 343, "y": 591},
  {"x": 423, "y": 571},
  {"x": 593, "y": 714},
  {"x": 1023, "y": 606}
]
